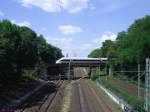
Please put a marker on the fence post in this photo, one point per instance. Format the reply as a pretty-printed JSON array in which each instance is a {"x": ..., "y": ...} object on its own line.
[
  {"x": 147, "y": 86},
  {"x": 139, "y": 83}
]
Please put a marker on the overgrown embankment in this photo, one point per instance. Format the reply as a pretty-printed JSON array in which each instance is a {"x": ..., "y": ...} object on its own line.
[
  {"x": 117, "y": 87},
  {"x": 23, "y": 57}
]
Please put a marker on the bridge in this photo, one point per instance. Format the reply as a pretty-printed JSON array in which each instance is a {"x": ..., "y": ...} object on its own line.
[
  {"x": 67, "y": 64},
  {"x": 64, "y": 67},
  {"x": 81, "y": 62}
]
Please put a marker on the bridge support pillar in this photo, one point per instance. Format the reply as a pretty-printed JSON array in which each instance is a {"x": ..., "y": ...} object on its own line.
[{"x": 90, "y": 71}]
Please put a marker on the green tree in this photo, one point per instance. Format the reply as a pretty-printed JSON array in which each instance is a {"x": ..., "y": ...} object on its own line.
[
  {"x": 109, "y": 49},
  {"x": 97, "y": 53},
  {"x": 27, "y": 52},
  {"x": 9, "y": 44},
  {"x": 47, "y": 52},
  {"x": 134, "y": 45},
  {"x": 20, "y": 49}
]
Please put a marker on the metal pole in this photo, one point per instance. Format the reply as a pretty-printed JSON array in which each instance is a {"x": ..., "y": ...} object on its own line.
[
  {"x": 147, "y": 86},
  {"x": 110, "y": 71},
  {"x": 69, "y": 70},
  {"x": 99, "y": 70},
  {"x": 139, "y": 81}
]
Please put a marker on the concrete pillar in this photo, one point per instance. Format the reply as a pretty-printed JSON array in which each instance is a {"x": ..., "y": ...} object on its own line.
[{"x": 90, "y": 71}]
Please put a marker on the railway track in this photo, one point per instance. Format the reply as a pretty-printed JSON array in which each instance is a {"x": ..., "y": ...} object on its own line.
[
  {"x": 85, "y": 97},
  {"x": 102, "y": 103},
  {"x": 43, "y": 100},
  {"x": 88, "y": 98}
]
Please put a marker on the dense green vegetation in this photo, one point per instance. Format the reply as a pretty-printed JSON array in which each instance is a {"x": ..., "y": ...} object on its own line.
[
  {"x": 95, "y": 53},
  {"x": 130, "y": 48},
  {"x": 21, "y": 49}
]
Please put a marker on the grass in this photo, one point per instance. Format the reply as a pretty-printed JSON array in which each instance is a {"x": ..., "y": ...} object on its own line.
[
  {"x": 132, "y": 100},
  {"x": 128, "y": 80}
]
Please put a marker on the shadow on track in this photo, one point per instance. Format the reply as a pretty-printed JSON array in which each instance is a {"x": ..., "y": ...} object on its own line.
[{"x": 39, "y": 97}]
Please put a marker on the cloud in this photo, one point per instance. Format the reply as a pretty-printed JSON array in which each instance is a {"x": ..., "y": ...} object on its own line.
[
  {"x": 69, "y": 29},
  {"x": 46, "y": 5},
  {"x": 71, "y": 6},
  {"x": 74, "y": 6},
  {"x": 105, "y": 36},
  {"x": 1, "y": 14},
  {"x": 69, "y": 47},
  {"x": 24, "y": 23},
  {"x": 58, "y": 41},
  {"x": 82, "y": 49},
  {"x": 66, "y": 44}
]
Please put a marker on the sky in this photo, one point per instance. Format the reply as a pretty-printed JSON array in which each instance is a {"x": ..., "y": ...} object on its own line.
[{"x": 75, "y": 26}]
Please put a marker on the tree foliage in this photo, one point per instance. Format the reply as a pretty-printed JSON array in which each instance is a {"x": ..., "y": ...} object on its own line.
[
  {"x": 131, "y": 47},
  {"x": 21, "y": 48},
  {"x": 95, "y": 53},
  {"x": 108, "y": 49},
  {"x": 134, "y": 45}
]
